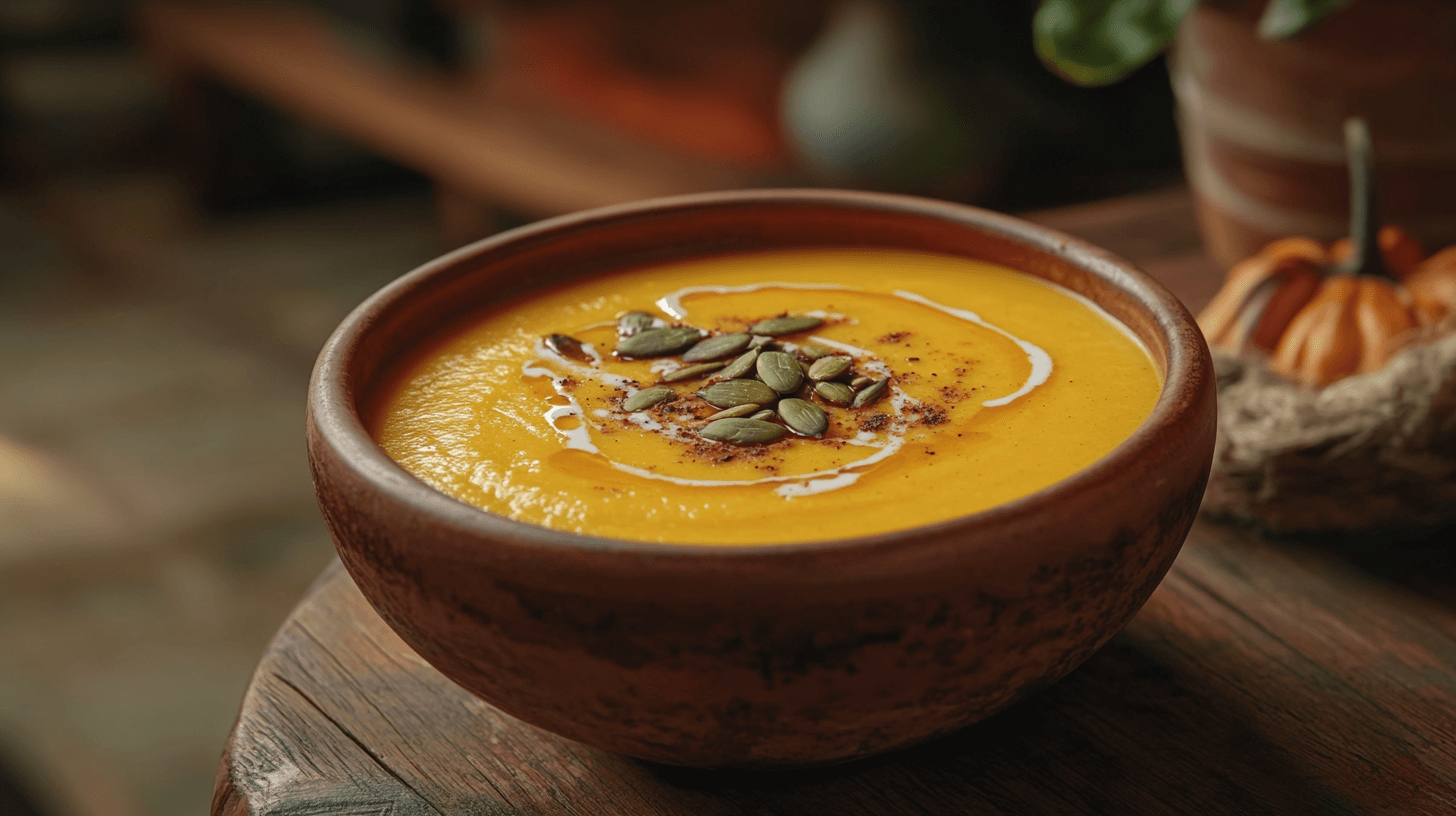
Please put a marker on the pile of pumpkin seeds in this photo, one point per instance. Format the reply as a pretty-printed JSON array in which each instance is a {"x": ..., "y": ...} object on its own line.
[{"x": 762, "y": 390}]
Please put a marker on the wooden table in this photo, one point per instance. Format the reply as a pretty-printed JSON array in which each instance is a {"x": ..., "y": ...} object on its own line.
[{"x": 1263, "y": 677}]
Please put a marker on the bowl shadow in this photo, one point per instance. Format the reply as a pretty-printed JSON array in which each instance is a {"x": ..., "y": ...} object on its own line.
[{"x": 1125, "y": 733}]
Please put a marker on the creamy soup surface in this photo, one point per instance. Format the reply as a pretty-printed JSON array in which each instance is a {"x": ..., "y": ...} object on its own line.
[{"x": 999, "y": 385}]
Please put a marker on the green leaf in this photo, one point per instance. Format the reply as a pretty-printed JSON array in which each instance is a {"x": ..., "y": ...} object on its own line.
[
  {"x": 1285, "y": 18},
  {"x": 1097, "y": 42}
]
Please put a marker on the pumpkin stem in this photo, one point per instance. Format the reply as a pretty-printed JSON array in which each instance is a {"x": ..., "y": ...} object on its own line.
[{"x": 1364, "y": 220}]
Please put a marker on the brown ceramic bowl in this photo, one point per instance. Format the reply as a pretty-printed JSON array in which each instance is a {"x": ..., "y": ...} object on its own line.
[{"x": 773, "y": 655}]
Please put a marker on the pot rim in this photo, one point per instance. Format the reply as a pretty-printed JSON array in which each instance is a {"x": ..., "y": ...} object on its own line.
[{"x": 334, "y": 417}]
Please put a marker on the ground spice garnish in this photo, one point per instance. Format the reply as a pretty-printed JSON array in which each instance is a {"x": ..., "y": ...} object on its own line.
[
  {"x": 874, "y": 422},
  {"x": 788, "y": 342},
  {"x": 932, "y": 417}
]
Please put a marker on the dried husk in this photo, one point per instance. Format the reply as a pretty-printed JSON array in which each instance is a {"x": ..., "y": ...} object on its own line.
[{"x": 1373, "y": 452}]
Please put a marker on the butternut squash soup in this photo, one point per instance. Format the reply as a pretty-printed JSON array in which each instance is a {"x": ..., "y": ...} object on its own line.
[{"x": 769, "y": 397}]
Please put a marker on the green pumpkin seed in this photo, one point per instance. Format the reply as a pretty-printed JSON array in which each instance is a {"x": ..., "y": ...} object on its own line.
[
  {"x": 716, "y": 348},
  {"x": 812, "y": 352},
  {"x": 871, "y": 392},
  {"x": 785, "y": 325},
  {"x": 658, "y": 342},
  {"x": 804, "y": 418},
  {"x": 837, "y": 393},
  {"x": 646, "y": 398},
  {"x": 828, "y": 368},
  {"x": 730, "y": 393},
  {"x": 742, "y": 431},
  {"x": 692, "y": 372},
  {"x": 759, "y": 341},
  {"x": 741, "y": 366},
  {"x": 860, "y": 382},
  {"x": 567, "y": 346},
  {"x": 633, "y": 322},
  {"x": 735, "y": 411},
  {"x": 765, "y": 415},
  {"x": 780, "y": 371}
]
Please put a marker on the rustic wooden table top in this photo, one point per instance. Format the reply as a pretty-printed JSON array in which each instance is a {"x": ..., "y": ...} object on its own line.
[{"x": 1263, "y": 677}]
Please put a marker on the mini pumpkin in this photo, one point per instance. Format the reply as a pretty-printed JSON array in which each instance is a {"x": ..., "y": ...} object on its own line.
[
  {"x": 1326, "y": 314},
  {"x": 1432, "y": 287},
  {"x": 1262, "y": 294},
  {"x": 1401, "y": 251},
  {"x": 1348, "y": 327}
]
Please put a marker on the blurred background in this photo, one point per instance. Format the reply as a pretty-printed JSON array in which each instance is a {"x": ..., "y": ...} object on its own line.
[{"x": 194, "y": 193}]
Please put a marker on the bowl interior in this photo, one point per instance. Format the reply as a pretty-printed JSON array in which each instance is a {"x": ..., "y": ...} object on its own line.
[{"x": 394, "y": 324}]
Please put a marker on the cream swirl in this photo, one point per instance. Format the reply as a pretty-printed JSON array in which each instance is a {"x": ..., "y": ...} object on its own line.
[{"x": 578, "y": 436}]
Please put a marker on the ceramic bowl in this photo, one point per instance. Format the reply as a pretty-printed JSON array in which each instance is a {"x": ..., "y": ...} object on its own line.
[{"x": 772, "y": 655}]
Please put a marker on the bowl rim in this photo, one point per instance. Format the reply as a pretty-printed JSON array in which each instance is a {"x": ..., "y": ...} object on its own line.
[{"x": 334, "y": 417}]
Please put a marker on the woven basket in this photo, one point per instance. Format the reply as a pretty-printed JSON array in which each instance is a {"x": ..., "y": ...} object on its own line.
[{"x": 1370, "y": 453}]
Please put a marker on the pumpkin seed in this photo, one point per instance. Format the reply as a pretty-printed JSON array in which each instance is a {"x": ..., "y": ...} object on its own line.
[
  {"x": 813, "y": 352},
  {"x": 780, "y": 371},
  {"x": 742, "y": 431},
  {"x": 828, "y": 368},
  {"x": 728, "y": 393},
  {"x": 860, "y": 382},
  {"x": 735, "y": 411},
  {"x": 633, "y": 322},
  {"x": 567, "y": 346},
  {"x": 716, "y": 348},
  {"x": 658, "y": 342},
  {"x": 785, "y": 325},
  {"x": 804, "y": 418},
  {"x": 837, "y": 393},
  {"x": 646, "y": 398},
  {"x": 766, "y": 415},
  {"x": 741, "y": 366},
  {"x": 759, "y": 341},
  {"x": 871, "y": 392},
  {"x": 692, "y": 372}
]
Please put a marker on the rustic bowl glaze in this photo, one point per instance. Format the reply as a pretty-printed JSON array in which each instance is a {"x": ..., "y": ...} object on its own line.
[{"x": 775, "y": 655}]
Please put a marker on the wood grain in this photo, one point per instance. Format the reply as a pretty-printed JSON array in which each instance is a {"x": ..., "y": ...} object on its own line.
[{"x": 1263, "y": 677}]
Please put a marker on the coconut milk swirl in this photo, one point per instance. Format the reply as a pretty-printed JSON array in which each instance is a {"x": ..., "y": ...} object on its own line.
[{"x": 578, "y": 437}]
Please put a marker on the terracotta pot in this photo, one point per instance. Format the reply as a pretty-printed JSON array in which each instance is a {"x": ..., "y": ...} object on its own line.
[
  {"x": 1262, "y": 121},
  {"x": 775, "y": 655}
]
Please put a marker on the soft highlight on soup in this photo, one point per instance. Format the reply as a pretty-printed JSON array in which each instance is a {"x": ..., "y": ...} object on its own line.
[{"x": 998, "y": 384}]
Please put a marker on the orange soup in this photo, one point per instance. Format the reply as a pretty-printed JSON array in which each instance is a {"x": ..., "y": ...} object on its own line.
[{"x": 691, "y": 402}]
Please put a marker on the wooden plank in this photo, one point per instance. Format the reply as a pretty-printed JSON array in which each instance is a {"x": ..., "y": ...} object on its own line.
[{"x": 527, "y": 160}]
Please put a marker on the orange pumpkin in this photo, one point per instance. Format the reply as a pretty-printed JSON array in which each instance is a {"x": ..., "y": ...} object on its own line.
[
  {"x": 1323, "y": 314},
  {"x": 1433, "y": 287},
  {"x": 1349, "y": 327},
  {"x": 1262, "y": 294},
  {"x": 1401, "y": 251}
]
